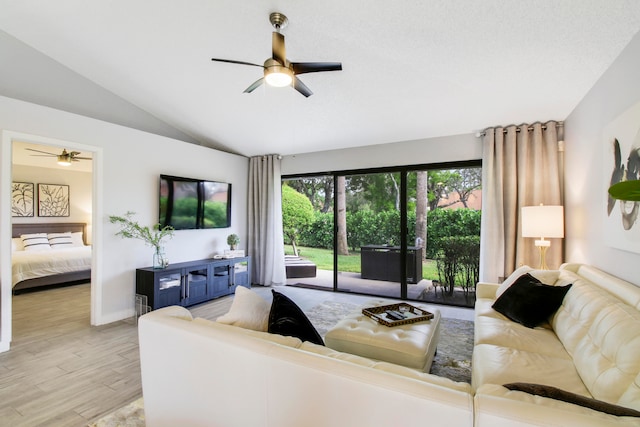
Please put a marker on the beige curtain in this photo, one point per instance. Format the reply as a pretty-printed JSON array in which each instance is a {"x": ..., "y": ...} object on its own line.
[
  {"x": 265, "y": 238},
  {"x": 521, "y": 166}
]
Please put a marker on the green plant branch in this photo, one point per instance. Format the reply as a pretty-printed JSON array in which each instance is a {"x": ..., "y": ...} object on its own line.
[{"x": 130, "y": 229}]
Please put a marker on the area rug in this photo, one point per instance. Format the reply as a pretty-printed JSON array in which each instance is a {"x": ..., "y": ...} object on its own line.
[
  {"x": 453, "y": 359},
  {"x": 131, "y": 415}
]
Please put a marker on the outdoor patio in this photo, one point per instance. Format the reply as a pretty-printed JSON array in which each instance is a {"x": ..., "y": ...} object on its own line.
[{"x": 424, "y": 290}]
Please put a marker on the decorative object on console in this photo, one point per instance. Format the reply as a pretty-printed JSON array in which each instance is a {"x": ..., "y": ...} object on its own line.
[
  {"x": 232, "y": 241},
  {"x": 22, "y": 195},
  {"x": 130, "y": 229},
  {"x": 53, "y": 200},
  {"x": 543, "y": 221},
  {"x": 530, "y": 302},
  {"x": 286, "y": 318}
]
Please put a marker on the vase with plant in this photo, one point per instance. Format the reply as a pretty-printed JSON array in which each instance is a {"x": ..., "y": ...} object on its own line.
[
  {"x": 154, "y": 236},
  {"x": 232, "y": 241}
]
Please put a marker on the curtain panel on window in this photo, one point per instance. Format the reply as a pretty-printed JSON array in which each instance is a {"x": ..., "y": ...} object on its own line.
[
  {"x": 521, "y": 166},
  {"x": 265, "y": 238}
]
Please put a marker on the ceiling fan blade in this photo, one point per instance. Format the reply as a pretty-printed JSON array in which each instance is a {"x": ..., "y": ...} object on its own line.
[
  {"x": 43, "y": 152},
  {"x": 301, "y": 87},
  {"x": 279, "y": 51},
  {"x": 81, "y": 158},
  {"x": 314, "y": 67},
  {"x": 254, "y": 85},
  {"x": 231, "y": 61}
]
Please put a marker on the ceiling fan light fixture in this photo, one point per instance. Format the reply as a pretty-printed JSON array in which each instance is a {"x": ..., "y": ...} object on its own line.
[
  {"x": 278, "y": 76},
  {"x": 64, "y": 160}
]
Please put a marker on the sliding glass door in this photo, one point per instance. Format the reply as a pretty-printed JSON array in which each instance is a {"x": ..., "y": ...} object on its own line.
[
  {"x": 408, "y": 233},
  {"x": 368, "y": 234}
]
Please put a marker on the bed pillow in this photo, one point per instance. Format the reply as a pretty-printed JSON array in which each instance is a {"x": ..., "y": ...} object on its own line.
[
  {"x": 286, "y": 318},
  {"x": 35, "y": 242},
  {"x": 248, "y": 310},
  {"x": 60, "y": 240},
  {"x": 76, "y": 238},
  {"x": 16, "y": 244},
  {"x": 576, "y": 399},
  {"x": 530, "y": 302}
]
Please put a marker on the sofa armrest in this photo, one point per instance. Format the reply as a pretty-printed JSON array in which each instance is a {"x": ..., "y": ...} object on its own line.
[
  {"x": 486, "y": 290},
  {"x": 497, "y": 406}
]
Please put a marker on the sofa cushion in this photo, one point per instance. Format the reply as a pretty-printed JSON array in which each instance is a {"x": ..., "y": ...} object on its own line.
[
  {"x": 530, "y": 302},
  {"x": 576, "y": 399},
  {"x": 248, "y": 310},
  {"x": 493, "y": 364},
  {"x": 286, "y": 318},
  {"x": 505, "y": 333}
]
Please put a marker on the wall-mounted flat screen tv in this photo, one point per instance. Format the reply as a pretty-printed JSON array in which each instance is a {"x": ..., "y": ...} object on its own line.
[{"x": 187, "y": 203}]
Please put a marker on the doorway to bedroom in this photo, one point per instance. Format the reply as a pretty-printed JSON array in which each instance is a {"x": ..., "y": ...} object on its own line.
[{"x": 51, "y": 196}]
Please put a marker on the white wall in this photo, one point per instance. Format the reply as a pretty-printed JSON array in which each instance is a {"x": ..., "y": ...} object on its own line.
[
  {"x": 79, "y": 192},
  {"x": 128, "y": 163},
  {"x": 587, "y": 167},
  {"x": 424, "y": 151}
]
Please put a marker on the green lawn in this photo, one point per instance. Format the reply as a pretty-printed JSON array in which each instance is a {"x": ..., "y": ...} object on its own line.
[{"x": 323, "y": 258}]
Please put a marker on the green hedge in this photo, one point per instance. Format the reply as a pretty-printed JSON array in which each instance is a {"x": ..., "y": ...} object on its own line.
[{"x": 370, "y": 228}]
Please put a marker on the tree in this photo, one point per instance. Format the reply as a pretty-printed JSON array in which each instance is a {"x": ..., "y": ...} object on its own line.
[
  {"x": 466, "y": 182},
  {"x": 297, "y": 214},
  {"x": 341, "y": 235},
  {"x": 463, "y": 182},
  {"x": 319, "y": 190},
  {"x": 421, "y": 208}
]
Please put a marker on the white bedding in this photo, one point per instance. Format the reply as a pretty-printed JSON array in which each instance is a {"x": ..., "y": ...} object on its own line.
[{"x": 30, "y": 265}]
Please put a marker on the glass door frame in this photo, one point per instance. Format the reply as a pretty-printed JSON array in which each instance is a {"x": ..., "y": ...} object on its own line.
[{"x": 404, "y": 171}]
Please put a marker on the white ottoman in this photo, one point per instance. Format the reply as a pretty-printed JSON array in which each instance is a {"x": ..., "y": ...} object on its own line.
[{"x": 412, "y": 345}]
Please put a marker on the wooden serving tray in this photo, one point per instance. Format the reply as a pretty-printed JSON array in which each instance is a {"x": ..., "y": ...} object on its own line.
[{"x": 413, "y": 314}]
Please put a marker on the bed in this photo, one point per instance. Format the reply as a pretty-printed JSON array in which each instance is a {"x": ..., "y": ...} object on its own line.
[{"x": 57, "y": 265}]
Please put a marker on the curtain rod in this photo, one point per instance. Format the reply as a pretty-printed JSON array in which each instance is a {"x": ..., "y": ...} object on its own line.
[{"x": 530, "y": 128}]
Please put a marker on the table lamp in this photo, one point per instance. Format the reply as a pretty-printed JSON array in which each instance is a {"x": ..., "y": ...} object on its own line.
[{"x": 543, "y": 221}]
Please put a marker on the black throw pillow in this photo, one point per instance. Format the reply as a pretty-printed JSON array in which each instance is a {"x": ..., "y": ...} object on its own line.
[
  {"x": 576, "y": 399},
  {"x": 530, "y": 302},
  {"x": 286, "y": 318}
]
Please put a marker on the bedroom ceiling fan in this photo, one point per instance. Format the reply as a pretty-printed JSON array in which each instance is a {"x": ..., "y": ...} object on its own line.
[
  {"x": 278, "y": 71},
  {"x": 64, "y": 159}
]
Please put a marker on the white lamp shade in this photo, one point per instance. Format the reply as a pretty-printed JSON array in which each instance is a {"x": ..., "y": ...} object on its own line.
[{"x": 543, "y": 221}]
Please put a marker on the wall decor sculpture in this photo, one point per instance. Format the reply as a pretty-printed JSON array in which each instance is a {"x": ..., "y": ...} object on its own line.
[
  {"x": 22, "y": 197},
  {"x": 53, "y": 200},
  {"x": 622, "y": 142}
]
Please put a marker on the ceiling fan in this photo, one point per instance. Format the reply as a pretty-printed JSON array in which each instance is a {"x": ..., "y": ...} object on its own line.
[
  {"x": 64, "y": 159},
  {"x": 278, "y": 71}
]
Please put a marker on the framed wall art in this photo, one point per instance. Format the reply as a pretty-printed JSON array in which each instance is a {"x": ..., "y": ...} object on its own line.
[
  {"x": 22, "y": 197},
  {"x": 622, "y": 143},
  {"x": 53, "y": 200}
]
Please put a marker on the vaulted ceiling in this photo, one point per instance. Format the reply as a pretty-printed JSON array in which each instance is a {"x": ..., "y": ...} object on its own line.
[{"x": 411, "y": 69}]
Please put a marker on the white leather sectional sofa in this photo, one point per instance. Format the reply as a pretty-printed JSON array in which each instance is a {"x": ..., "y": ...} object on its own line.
[
  {"x": 590, "y": 347},
  {"x": 201, "y": 373}
]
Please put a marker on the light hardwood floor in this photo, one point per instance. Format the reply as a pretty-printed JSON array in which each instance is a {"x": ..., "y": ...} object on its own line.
[{"x": 61, "y": 371}]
